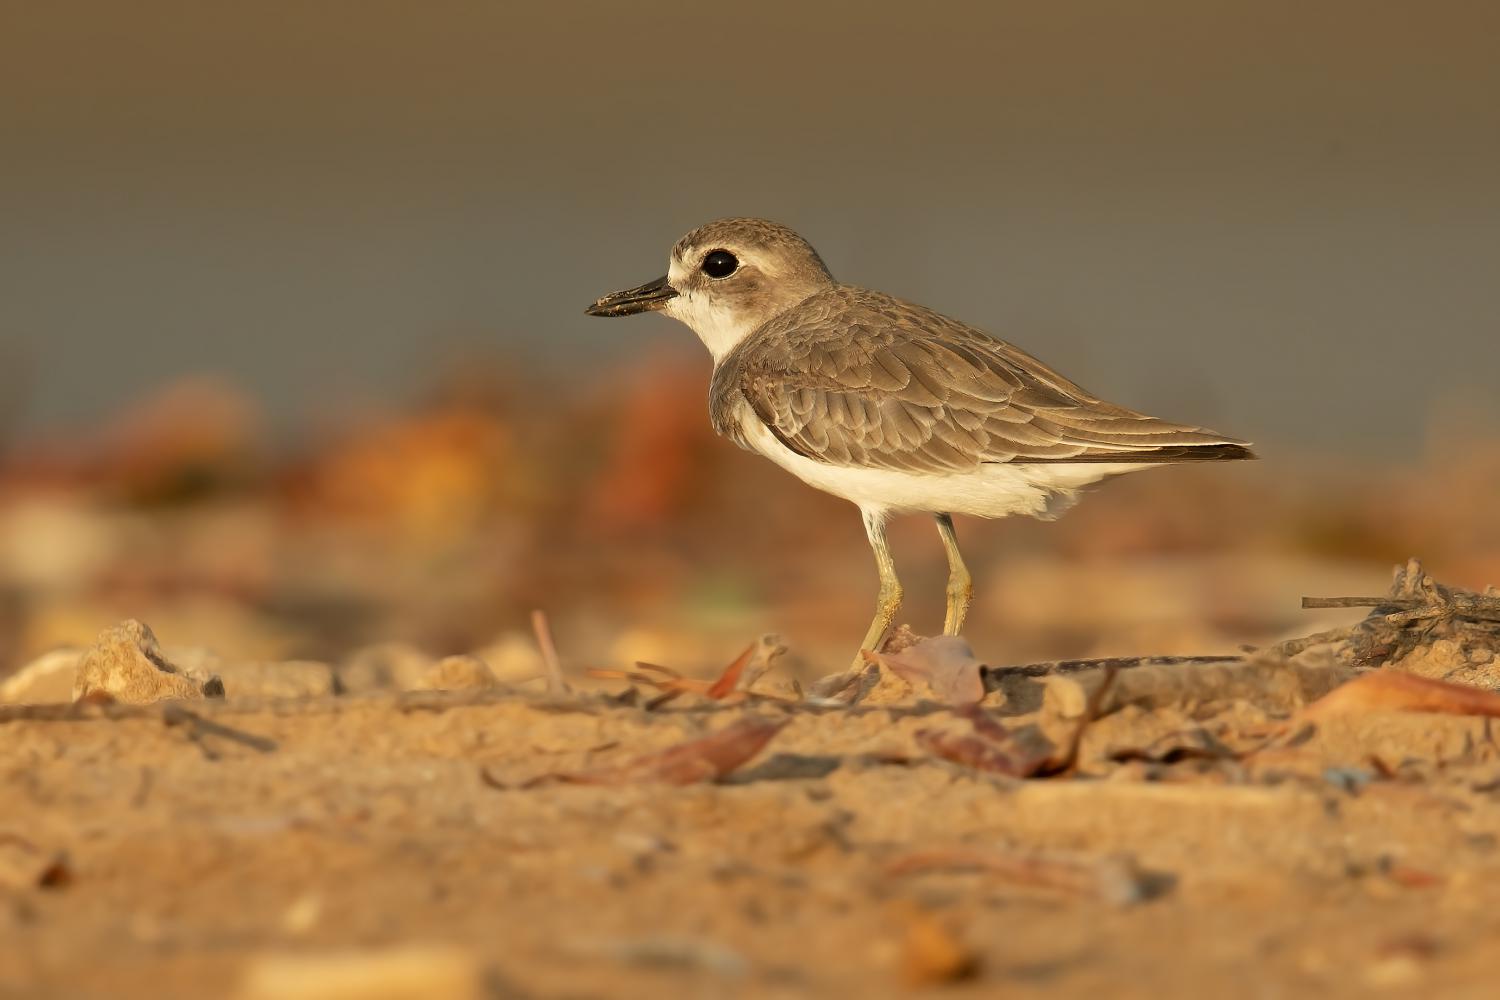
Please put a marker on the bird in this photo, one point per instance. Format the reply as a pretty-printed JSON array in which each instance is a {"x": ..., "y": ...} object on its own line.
[{"x": 890, "y": 405}]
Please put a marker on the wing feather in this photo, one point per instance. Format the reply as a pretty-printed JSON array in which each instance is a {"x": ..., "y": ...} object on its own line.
[{"x": 857, "y": 378}]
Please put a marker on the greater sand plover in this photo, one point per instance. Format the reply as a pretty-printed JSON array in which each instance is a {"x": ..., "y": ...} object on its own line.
[{"x": 890, "y": 405}]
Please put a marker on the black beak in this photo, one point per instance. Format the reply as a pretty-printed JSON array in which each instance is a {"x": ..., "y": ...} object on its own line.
[{"x": 647, "y": 298}]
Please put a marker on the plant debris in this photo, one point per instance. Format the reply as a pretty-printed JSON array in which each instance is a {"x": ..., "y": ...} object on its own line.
[
  {"x": 200, "y": 729},
  {"x": 557, "y": 684},
  {"x": 945, "y": 663},
  {"x": 1416, "y": 612},
  {"x": 731, "y": 686},
  {"x": 995, "y": 749},
  {"x": 707, "y": 758},
  {"x": 1388, "y": 690}
]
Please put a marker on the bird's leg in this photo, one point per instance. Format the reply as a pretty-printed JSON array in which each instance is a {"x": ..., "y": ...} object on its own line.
[
  {"x": 889, "y": 601},
  {"x": 960, "y": 585}
]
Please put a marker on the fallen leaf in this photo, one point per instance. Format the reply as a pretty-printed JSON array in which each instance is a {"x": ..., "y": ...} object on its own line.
[
  {"x": 974, "y": 751},
  {"x": 730, "y": 686},
  {"x": 1410, "y": 876},
  {"x": 946, "y": 664},
  {"x": 729, "y": 680},
  {"x": 994, "y": 748},
  {"x": 1394, "y": 691},
  {"x": 704, "y": 759}
]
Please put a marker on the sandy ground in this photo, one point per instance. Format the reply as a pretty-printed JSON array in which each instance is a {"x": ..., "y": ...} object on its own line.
[{"x": 318, "y": 845}]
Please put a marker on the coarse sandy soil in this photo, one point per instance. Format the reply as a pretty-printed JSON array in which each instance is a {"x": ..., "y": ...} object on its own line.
[{"x": 399, "y": 844}]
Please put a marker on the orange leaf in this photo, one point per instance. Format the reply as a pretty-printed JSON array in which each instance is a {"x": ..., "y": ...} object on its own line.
[
  {"x": 1394, "y": 691},
  {"x": 730, "y": 678},
  {"x": 972, "y": 751}
]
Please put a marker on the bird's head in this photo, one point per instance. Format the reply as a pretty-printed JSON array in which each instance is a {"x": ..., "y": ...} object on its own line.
[{"x": 726, "y": 279}]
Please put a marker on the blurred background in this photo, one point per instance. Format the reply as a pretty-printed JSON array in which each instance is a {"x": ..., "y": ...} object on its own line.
[{"x": 293, "y": 357}]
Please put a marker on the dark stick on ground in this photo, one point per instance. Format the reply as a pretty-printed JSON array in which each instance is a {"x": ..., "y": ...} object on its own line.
[
  {"x": 198, "y": 727},
  {"x": 1109, "y": 662}
]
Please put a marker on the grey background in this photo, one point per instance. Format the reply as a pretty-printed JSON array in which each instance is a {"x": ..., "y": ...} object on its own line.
[{"x": 1282, "y": 219}]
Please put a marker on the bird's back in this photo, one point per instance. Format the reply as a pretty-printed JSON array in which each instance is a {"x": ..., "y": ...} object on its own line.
[{"x": 859, "y": 378}]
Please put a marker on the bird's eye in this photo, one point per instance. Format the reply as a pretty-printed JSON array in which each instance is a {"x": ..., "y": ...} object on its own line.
[{"x": 720, "y": 264}]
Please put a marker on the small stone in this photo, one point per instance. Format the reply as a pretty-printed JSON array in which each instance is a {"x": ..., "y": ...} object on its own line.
[
  {"x": 278, "y": 679},
  {"x": 48, "y": 679},
  {"x": 397, "y": 666},
  {"x": 513, "y": 658},
  {"x": 386, "y": 666},
  {"x": 127, "y": 665},
  {"x": 932, "y": 954},
  {"x": 25, "y": 865},
  {"x": 412, "y": 972},
  {"x": 455, "y": 673},
  {"x": 303, "y": 915}
]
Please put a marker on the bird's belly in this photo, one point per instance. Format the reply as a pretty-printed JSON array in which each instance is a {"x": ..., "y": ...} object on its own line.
[{"x": 992, "y": 490}]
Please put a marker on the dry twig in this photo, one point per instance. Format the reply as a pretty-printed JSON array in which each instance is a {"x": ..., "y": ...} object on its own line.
[
  {"x": 1417, "y": 610},
  {"x": 730, "y": 687},
  {"x": 556, "y": 683},
  {"x": 198, "y": 727}
]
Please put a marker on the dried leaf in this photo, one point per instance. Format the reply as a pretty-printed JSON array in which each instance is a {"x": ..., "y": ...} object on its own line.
[
  {"x": 704, "y": 759},
  {"x": 1394, "y": 691},
  {"x": 729, "y": 680},
  {"x": 975, "y": 752},
  {"x": 1412, "y": 878},
  {"x": 994, "y": 748},
  {"x": 986, "y": 725},
  {"x": 732, "y": 685},
  {"x": 946, "y": 664}
]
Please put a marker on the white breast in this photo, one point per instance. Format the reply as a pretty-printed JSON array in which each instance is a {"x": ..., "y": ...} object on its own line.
[
  {"x": 993, "y": 490},
  {"x": 720, "y": 329}
]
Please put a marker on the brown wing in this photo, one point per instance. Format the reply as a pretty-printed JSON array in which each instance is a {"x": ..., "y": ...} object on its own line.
[{"x": 857, "y": 378}]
